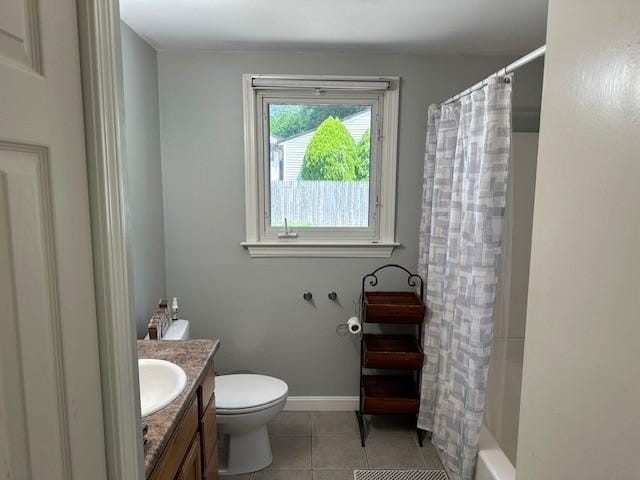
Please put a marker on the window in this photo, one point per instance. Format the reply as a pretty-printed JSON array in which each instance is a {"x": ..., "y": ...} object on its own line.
[{"x": 320, "y": 163}]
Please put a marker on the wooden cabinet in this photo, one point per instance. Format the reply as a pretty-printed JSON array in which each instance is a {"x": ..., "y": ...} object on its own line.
[
  {"x": 191, "y": 468},
  {"x": 209, "y": 433},
  {"x": 208, "y": 428},
  {"x": 211, "y": 470},
  {"x": 177, "y": 446},
  {"x": 191, "y": 453},
  {"x": 205, "y": 392}
]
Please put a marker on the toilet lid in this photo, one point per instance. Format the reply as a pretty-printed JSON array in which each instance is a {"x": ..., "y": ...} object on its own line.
[{"x": 246, "y": 390}]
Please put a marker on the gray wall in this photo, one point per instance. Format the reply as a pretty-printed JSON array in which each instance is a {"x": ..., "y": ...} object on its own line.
[
  {"x": 579, "y": 417},
  {"x": 145, "y": 223},
  {"x": 255, "y": 305}
]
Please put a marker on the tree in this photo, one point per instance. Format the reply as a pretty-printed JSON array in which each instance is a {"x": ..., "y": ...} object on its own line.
[
  {"x": 331, "y": 153},
  {"x": 287, "y": 120},
  {"x": 292, "y": 119},
  {"x": 363, "y": 155}
]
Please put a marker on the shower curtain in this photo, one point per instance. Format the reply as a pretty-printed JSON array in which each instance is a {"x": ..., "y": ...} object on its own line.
[{"x": 464, "y": 195}]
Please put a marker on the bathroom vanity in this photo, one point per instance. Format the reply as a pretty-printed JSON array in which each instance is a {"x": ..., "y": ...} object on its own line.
[{"x": 181, "y": 440}]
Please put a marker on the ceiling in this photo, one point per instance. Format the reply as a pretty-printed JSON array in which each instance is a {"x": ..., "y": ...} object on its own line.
[{"x": 416, "y": 26}]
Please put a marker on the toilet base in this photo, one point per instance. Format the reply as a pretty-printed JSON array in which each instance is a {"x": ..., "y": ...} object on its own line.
[
  {"x": 238, "y": 460},
  {"x": 243, "y": 424}
]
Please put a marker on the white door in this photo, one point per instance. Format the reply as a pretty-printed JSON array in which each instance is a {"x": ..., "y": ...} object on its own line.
[{"x": 50, "y": 400}]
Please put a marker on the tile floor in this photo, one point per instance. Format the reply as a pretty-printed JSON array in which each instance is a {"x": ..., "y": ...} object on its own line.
[{"x": 326, "y": 446}]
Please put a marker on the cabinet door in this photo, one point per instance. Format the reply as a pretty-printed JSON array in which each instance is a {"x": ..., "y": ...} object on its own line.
[
  {"x": 191, "y": 468},
  {"x": 211, "y": 471},
  {"x": 208, "y": 435},
  {"x": 178, "y": 446}
]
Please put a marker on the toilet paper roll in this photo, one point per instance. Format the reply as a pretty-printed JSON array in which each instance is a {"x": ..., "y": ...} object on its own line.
[{"x": 354, "y": 325}]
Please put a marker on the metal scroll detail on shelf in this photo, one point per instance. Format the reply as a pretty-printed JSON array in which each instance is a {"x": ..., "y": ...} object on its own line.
[{"x": 413, "y": 279}]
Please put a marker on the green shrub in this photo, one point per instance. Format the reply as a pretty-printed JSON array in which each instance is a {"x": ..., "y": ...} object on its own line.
[
  {"x": 331, "y": 153},
  {"x": 363, "y": 154}
]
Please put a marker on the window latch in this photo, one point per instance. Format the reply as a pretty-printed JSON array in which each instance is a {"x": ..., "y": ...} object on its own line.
[{"x": 287, "y": 233}]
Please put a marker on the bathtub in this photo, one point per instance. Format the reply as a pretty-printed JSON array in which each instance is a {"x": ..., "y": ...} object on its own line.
[{"x": 493, "y": 464}]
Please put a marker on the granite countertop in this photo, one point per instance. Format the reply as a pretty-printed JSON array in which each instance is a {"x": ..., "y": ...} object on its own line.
[{"x": 193, "y": 356}]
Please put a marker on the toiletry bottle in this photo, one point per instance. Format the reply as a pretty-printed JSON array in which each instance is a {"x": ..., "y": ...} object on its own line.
[{"x": 174, "y": 308}]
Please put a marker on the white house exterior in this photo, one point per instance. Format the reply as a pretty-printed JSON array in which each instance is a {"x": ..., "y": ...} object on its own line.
[
  {"x": 275, "y": 158},
  {"x": 293, "y": 148}
]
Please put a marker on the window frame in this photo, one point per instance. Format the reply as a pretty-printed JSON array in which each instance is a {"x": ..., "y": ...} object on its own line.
[
  {"x": 366, "y": 234},
  {"x": 376, "y": 240}
]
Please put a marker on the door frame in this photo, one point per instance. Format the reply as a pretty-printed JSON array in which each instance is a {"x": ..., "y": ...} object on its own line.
[{"x": 101, "y": 67}]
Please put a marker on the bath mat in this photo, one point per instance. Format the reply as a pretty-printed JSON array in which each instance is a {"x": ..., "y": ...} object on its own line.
[{"x": 399, "y": 475}]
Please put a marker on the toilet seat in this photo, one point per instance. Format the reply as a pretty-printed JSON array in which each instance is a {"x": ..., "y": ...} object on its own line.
[
  {"x": 242, "y": 411},
  {"x": 246, "y": 393}
]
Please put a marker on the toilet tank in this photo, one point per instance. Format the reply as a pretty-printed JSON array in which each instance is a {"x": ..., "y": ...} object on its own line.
[{"x": 178, "y": 330}]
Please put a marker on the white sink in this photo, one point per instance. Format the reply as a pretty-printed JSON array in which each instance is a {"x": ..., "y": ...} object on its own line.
[{"x": 160, "y": 384}]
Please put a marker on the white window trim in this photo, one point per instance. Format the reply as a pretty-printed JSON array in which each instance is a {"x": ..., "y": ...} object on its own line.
[{"x": 383, "y": 246}]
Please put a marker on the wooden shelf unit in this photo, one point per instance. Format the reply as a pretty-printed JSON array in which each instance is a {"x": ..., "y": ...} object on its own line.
[
  {"x": 393, "y": 307},
  {"x": 390, "y": 394},
  {"x": 397, "y": 392},
  {"x": 400, "y": 352}
]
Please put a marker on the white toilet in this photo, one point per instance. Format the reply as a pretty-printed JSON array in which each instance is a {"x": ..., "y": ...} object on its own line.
[{"x": 245, "y": 403}]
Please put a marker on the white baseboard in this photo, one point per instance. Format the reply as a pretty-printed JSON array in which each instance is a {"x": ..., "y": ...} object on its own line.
[{"x": 321, "y": 404}]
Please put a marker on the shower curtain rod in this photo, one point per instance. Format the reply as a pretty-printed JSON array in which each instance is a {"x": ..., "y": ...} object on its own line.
[{"x": 529, "y": 57}]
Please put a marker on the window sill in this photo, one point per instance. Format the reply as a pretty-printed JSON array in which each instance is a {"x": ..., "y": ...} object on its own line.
[{"x": 320, "y": 249}]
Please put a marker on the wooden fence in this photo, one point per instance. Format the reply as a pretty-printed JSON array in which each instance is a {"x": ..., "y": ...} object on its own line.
[{"x": 320, "y": 203}]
